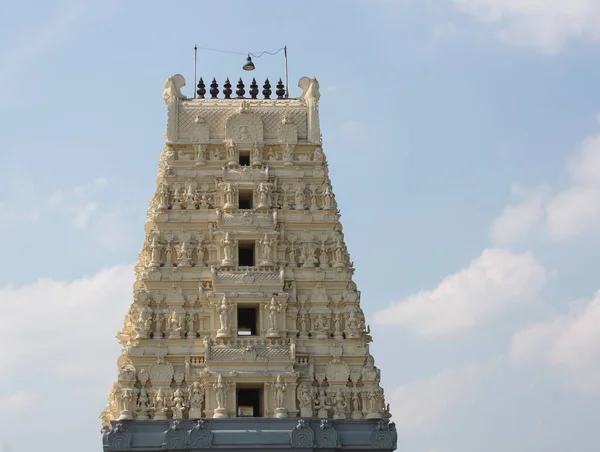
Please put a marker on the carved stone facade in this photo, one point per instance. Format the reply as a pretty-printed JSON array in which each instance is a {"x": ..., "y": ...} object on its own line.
[{"x": 244, "y": 282}]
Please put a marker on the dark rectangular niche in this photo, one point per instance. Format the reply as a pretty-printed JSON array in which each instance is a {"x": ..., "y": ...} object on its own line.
[
  {"x": 247, "y": 321},
  {"x": 246, "y": 254},
  {"x": 249, "y": 402}
]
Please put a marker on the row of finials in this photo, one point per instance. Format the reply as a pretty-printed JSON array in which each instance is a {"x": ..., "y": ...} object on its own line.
[{"x": 240, "y": 91}]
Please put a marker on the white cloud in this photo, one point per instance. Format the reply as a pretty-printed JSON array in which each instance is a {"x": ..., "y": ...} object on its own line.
[
  {"x": 545, "y": 25},
  {"x": 494, "y": 284},
  {"x": 421, "y": 404},
  {"x": 60, "y": 324},
  {"x": 19, "y": 402},
  {"x": 576, "y": 210},
  {"x": 78, "y": 206},
  {"x": 569, "y": 343},
  {"x": 517, "y": 220},
  {"x": 558, "y": 215}
]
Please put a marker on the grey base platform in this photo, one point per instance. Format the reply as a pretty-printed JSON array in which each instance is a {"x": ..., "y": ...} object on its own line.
[{"x": 235, "y": 434}]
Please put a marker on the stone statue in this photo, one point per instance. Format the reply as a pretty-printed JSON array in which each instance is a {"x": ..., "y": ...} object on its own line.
[
  {"x": 263, "y": 196},
  {"x": 142, "y": 405},
  {"x": 227, "y": 251},
  {"x": 305, "y": 398},
  {"x": 311, "y": 95},
  {"x": 279, "y": 387},
  {"x": 292, "y": 250},
  {"x": 155, "y": 248},
  {"x": 288, "y": 152},
  {"x": 196, "y": 391},
  {"x": 255, "y": 155},
  {"x": 299, "y": 197},
  {"x": 160, "y": 409},
  {"x": 272, "y": 309},
  {"x": 356, "y": 412},
  {"x": 266, "y": 251},
  {"x": 185, "y": 254},
  {"x": 339, "y": 407},
  {"x": 200, "y": 153},
  {"x": 173, "y": 87},
  {"x": 220, "y": 388},
  {"x": 225, "y": 309},
  {"x": 231, "y": 152},
  {"x": 178, "y": 407},
  {"x": 229, "y": 197},
  {"x": 318, "y": 155},
  {"x": 175, "y": 326},
  {"x": 339, "y": 254},
  {"x": 190, "y": 317},
  {"x": 327, "y": 197},
  {"x": 323, "y": 407},
  {"x": 126, "y": 397},
  {"x": 163, "y": 197}
]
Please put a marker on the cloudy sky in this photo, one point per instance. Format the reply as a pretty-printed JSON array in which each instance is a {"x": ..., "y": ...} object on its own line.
[{"x": 464, "y": 143}]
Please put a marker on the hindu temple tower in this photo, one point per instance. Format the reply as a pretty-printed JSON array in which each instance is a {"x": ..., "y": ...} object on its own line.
[{"x": 246, "y": 329}]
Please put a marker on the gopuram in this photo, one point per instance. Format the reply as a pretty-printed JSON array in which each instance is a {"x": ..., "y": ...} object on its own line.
[{"x": 246, "y": 329}]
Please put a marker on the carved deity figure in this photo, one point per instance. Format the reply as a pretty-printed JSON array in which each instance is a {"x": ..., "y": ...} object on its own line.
[
  {"x": 185, "y": 254},
  {"x": 126, "y": 397},
  {"x": 299, "y": 197},
  {"x": 339, "y": 407},
  {"x": 256, "y": 154},
  {"x": 318, "y": 155},
  {"x": 190, "y": 317},
  {"x": 322, "y": 405},
  {"x": 327, "y": 197},
  {"x": 292, "y": 250},
  {"x": 272, "y": 309},
  {"x": 160, "y": 405},
  {"x": 231, "y": 151},
  {"x": 175, "y": 325},
  {"x": 220, "y": 392},
  {"x": 142, "y": 405},
  {"x": 196, "y": 395},
  {"x": 229, "y": 197},
  {"x": 178, "y": 407},
  {"x": 353, "y": 323},
  {"x": 305, "y": 396},
  {"x": 319, "y": 323},
  {"x": 263, "y": 196},
  {"x": 225, "y": 308},
  {"x": 169, "y": 255},
  {"x": 267, "y": 248},
  {"x": 288, "y": 152},
  {"x": 339, "y": 253},
  {"x": 200, "y": 152},
  {"x": 227, "y": 250},
  {"x": 155, "y": 248},
  {"x": 356, "y": 413},
  {"x": 190, "y": 198},
  {"x": 369, "y": 371},
  {"x": 279, "y": 388}
]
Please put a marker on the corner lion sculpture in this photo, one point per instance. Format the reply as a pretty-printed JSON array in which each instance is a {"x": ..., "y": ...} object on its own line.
[{"x": 173, "y": 87}]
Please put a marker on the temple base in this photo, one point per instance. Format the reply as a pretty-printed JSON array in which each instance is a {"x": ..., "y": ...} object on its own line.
[{"x": 277, "y": 435}]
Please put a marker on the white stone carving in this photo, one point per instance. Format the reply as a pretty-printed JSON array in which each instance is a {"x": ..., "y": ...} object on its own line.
[
  {"x": 173, "y": 87},
  {"x": 299, "y": 282},
  {"x": 221, "y": 388}
]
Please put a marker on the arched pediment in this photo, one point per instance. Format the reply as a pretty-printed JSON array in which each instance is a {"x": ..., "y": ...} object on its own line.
[{"x": 244, "y": 127}]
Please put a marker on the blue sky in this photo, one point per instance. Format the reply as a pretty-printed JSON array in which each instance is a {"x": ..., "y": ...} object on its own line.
[{"x": 464, "y": 147}]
